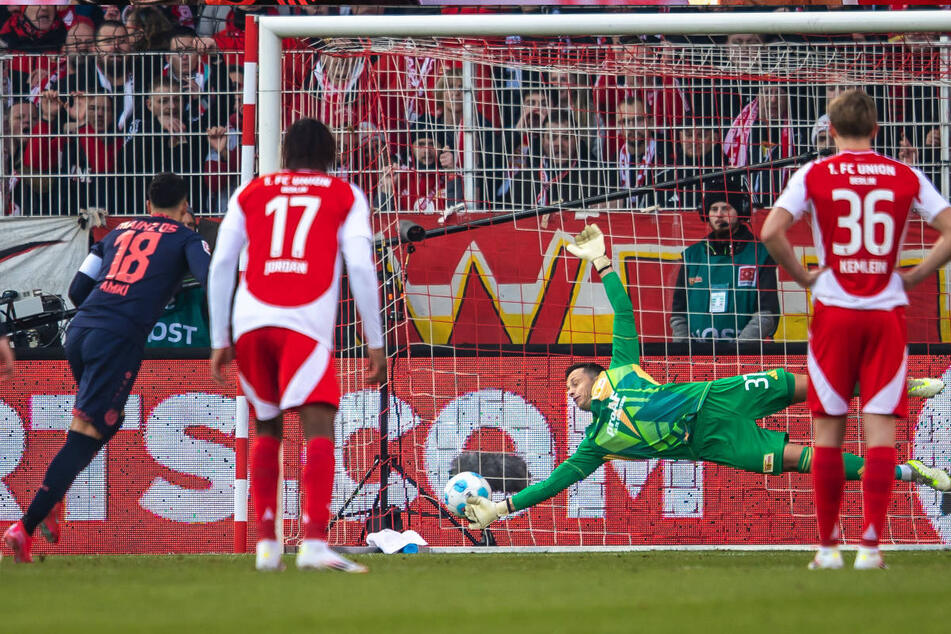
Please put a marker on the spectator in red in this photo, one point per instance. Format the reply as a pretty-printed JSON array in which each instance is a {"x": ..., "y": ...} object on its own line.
[
  {"x": 89, "y": 159},
  {"x": 20, "y": 116},
  {"x": 422, "y": 186},
  {"x": 339, "y": 94},
  {"x": 16, "y": 128},
  {"x": 43, "y": 151},
  {"x": 79, "y": 43},
  {"x": 662, "y": 95},
  {"x": 35, "y": 29},
  {"x": 407, "y": 92}
]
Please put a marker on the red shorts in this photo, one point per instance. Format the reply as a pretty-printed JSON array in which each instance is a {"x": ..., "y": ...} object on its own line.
[
  {"x": 864, "y": 347},
  {"x": 281, "y": 369}
]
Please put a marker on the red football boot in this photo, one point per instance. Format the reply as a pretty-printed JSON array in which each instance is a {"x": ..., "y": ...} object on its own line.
[
  {"x": 19, "y": 542},
  {"x": 50, "y": 526}
]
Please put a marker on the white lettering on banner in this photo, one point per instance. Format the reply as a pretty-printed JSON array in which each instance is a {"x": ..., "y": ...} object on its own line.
[
  {"x": 167, "y": 440},
  {"x": 585, "y": 498},
  {"x": 87, "y": 498},
  {"x": 359, "y": 411},
  {"x": 933, "y": 446},
  {"x": 683, "y": 488},
  {"x": 172, "y": 333},
  {"x": 12, "y": 444},
  {"x": 490, "y": 408},
  {"x": 683, "y": 483}
]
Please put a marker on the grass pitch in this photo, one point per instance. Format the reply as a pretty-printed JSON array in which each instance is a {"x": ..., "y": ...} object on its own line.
[{"x": 705, "y": 592}]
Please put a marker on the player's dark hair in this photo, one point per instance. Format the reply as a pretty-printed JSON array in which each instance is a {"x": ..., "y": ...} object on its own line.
[
  {"x": 591, "y": 369},
  {"x": 167, "y": 190},
  {"x": 853, "y": 114},
  {"x": 308, "y": 144}
]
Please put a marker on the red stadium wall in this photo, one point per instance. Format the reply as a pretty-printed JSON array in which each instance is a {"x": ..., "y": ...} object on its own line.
[{"x": 165, "y": 483}]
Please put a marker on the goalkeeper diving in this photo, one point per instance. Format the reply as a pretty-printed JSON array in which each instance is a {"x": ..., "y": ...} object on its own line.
[{"x": 636, "y": 418}]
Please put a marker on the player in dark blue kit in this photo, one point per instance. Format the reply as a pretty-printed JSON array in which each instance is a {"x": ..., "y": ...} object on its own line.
[{"x": 121, "y": 289}]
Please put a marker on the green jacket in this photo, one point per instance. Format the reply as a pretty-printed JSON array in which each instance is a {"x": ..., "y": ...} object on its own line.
[{"x": 721, "y": 286}]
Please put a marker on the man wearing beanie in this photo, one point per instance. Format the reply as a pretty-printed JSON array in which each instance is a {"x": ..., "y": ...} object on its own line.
[{"x": 726, "y": 287}]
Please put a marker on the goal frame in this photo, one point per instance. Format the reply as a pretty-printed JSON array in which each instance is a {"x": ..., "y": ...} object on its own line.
[{"x": 261, "y": 133}]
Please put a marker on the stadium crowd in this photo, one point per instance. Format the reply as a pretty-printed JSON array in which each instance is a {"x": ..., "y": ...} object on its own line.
[{"x": 99, "y": 98}]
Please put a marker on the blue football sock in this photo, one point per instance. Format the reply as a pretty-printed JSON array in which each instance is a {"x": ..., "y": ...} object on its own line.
[{"x": 73, "y": 457}]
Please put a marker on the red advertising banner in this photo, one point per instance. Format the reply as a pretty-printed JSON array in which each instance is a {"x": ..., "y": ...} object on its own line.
[
  {"x": 165, "y": 482},
  {"x": 515, "y": 283}
]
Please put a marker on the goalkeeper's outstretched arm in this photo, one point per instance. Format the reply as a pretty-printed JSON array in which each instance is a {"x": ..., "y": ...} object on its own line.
[
  {"x": 482, "y": 512},
  {"x": 625, "y": 347}
]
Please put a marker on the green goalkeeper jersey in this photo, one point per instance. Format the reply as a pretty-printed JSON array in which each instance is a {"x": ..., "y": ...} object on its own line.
[{"x": 633, "y": 416}]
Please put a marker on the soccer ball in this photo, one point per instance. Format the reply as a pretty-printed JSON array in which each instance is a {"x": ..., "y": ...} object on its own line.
[{"x": 461, "y": 486}]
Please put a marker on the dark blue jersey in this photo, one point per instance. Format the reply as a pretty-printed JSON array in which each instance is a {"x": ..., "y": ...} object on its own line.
[{"x": 131, "y": 274}]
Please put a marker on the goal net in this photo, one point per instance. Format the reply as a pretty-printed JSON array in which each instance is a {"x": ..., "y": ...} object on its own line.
[{"x": 466, "y": 138}]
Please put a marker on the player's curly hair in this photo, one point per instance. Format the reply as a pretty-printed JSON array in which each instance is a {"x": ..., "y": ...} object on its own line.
[
  {"x": 591, "y": 368},
  {"x": 308, "y": 144},
  {"x": 167, "y": 190}
]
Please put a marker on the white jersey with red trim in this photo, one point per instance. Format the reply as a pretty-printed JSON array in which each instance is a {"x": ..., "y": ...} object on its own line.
[
  {"x": 860, "y": 204},
  {"x": 296, "y": 225}
]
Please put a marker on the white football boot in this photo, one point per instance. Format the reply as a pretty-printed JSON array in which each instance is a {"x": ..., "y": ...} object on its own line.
[
  {"x": 268, "y": 555},
  {"x": 827, "y": 558},
  {"x": 934, "y": 477},
  {"x": 315, "y": 554},
  {"x": 869, "y": 559},
  {"x": 925, "y": 388}
]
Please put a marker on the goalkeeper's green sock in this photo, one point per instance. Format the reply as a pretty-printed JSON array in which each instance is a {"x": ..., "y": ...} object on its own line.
[{"x": 854, "y": 466}]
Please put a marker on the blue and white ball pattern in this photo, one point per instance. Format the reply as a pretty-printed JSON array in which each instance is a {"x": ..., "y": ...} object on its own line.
[{"x": 461, "y": 486}]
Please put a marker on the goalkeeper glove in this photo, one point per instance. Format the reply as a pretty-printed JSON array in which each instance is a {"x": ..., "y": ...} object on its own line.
[
  {"x": 589, "y": 246},
  {"x": 482, "y": 511}
]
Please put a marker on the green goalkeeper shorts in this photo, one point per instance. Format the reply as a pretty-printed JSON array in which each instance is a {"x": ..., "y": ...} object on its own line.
[{"x": 725, "y": 430}]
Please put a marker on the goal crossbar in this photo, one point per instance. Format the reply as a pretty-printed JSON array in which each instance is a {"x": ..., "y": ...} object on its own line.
[{"x": 602, "y": 24}]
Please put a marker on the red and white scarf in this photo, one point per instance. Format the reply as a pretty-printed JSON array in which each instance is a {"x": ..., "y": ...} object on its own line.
[
  {"x": 547, "y": 181},
  {"x": 642, "y": 168},
  {"x": 737, "y": 141}
]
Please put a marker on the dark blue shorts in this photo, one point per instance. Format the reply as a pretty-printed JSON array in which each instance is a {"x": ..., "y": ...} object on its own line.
[{"x": 105, "y": 366}]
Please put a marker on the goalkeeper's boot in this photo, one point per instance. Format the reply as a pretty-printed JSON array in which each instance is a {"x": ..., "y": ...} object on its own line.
[
  {"x": 934, "y": 477},
  {"x": 316, "y": 554},
  {"x": 925, "y": 388},
  {"x": 268, "y": 555},
  {"x": 17, "y": 540},
  {"x": 869, "y": 559},
  {"x": 827, "y": 558},
  {"x": 50, "y": 526}
]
